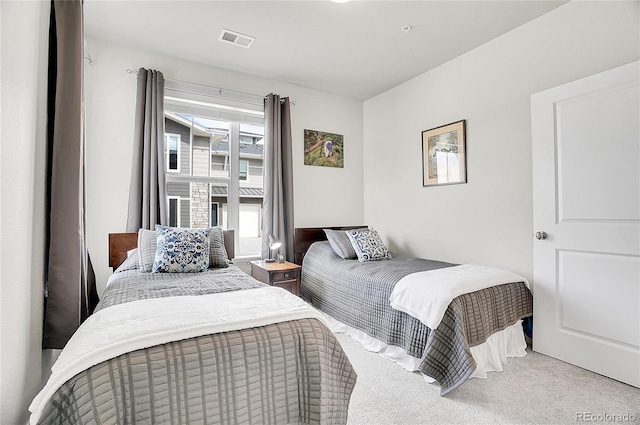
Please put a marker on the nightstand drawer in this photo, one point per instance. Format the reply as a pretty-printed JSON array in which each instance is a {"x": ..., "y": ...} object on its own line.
[
  {"x": 281, "y": 276},
  {"x": 289, "y": 285}
]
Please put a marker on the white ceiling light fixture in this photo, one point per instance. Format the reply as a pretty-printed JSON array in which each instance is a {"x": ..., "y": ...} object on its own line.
[
  {"x": 341, "y": 1},
  {"x": 407, "y": 28},
  {"x": 236, "y": 38}
]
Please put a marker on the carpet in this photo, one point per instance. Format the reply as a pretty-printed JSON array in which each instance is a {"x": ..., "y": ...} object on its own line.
[{"x": 535, "y": 389}]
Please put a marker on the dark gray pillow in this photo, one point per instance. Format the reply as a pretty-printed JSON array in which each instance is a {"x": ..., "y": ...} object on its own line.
[{"x": 341, "y": 244}]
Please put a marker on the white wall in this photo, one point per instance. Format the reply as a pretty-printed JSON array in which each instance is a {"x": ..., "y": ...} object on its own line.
[
  {"x": 22, "y": 172},
  {"x": 322, "y": 196},
  {"x": 489, "y": 219}
]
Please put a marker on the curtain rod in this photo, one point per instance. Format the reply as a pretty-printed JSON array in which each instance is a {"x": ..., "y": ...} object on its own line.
[{"x": 131, "y": 71}]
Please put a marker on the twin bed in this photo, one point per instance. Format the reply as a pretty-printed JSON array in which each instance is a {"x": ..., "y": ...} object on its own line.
[
  {"x": 214, "y": 347},
  {"x": 477, "y": 332},
  {"x": 221, "y": 347}
]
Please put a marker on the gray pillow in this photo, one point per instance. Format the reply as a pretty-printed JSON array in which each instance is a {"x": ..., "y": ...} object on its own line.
[
  {"x": 341, "y": 244},
  {"x": 147, "y": 247},
  {"x": 218, "y": 257}
]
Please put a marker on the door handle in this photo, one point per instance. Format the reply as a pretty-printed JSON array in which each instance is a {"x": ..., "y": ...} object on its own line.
[{"x": 541, "y": 236}]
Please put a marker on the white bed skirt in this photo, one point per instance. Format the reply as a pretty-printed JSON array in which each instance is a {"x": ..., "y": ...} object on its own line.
[{"x": 489, "y": 356}]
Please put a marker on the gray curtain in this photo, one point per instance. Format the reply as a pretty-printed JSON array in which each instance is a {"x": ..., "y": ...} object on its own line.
[
  {"x": 70, "y": 292},
  {"x": 148, "y": 191},
  {"x": 277, "y": 218}
]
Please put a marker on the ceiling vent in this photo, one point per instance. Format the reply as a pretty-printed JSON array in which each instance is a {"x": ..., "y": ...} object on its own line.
[{"x": 236, "y": 38}]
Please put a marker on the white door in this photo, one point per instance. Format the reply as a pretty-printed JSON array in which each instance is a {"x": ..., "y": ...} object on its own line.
[
  {"x": 586, "y": 195},
  {"x": 250, "y": 220}
]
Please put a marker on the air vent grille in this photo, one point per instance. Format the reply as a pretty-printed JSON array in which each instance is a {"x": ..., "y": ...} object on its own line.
[
  {"x": 236, "y": 38},
  {"x": 227, "y": 36}
]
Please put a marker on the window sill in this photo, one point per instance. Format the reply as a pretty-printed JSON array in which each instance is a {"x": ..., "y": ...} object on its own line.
[{"x": 246, "y": 259}]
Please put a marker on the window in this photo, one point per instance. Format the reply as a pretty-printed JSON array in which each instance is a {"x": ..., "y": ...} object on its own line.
[
  {"x": 244, "y": 169},
  {"x": 221, "y": 183},
  {"x": 172, "y": 148},
  {"x": 214, "y": 214},
  {"x": 174, "y": 211}
]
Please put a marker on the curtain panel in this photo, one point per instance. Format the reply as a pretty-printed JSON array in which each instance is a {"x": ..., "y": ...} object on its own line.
[
  {"x": 148, "y": 191},
  {"x": 70, "y": 291},
  {"x": 277, "y": 218}
]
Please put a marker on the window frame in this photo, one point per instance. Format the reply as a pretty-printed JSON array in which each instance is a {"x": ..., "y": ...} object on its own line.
[
  {"x": 218, "y": 220},
  {"x": 178, "y": 209},
  {"x": 166, "y": 151},
  {"x": 188, "y": 100},
  {"x": 246, "y": 171}
]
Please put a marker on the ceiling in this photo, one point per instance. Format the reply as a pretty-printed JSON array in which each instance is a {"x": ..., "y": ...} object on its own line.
[{"x": 356, "y": 49}]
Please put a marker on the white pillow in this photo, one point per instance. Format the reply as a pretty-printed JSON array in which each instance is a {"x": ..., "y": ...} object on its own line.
[{"x": 130, "y": 263}]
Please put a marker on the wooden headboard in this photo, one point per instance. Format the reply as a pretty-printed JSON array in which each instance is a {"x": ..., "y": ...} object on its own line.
[
  {"x": 120, "y": 243},
  {"x": 305, "y": 236}
]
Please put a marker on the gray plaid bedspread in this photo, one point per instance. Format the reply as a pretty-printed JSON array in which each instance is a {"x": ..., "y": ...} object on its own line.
[
  {"x": 357, "y": 294},
  {"x": 141, "y": 286},
  {"x": 288, "y": 372}
]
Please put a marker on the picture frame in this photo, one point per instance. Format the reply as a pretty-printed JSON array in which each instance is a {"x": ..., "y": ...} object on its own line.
[
  {"x": 323, "y": 149},
  {"x": 444, "y": 155},
  {"x": 280, "y": 258}
]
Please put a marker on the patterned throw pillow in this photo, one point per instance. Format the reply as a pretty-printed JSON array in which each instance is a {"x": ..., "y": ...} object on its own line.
[
  {"x": 147, "y": 247},
  {"x": 181, "y": 250},
  {"x": 341, "y": 244},
  {"x": 368, "y": 245}
]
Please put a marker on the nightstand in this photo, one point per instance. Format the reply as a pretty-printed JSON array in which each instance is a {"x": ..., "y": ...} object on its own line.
[{"x": 285, "y": 275}]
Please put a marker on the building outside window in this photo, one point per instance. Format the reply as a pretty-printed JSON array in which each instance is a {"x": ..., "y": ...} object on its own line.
[{"x": 220, "y": 180}]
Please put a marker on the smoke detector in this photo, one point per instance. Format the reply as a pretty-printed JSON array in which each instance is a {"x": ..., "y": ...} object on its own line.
[{"x": 236, "y": 38}]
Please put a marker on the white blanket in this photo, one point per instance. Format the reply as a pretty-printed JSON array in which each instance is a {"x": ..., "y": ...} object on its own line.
[
  {"x": 426, "y": 295},
  {"x": 140, "y": 324}
]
